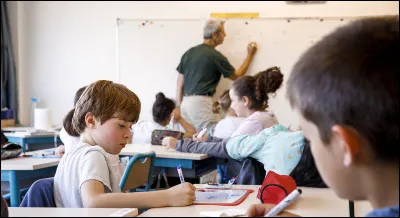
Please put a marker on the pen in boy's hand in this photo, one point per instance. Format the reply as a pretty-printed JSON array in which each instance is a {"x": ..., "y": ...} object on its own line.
[
  {"x": 284, "y": 203},
  {"x": 180, "y": 174}
]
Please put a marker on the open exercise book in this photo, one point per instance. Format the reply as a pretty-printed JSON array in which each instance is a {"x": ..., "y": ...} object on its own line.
[{"x": 223, "y": 197}]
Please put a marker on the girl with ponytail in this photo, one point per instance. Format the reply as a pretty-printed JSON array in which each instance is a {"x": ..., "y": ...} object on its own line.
[
  {"x": 249, "y": 95},
  {"x": 164, "y": 111},
  {"x": 68, "y": 135}
]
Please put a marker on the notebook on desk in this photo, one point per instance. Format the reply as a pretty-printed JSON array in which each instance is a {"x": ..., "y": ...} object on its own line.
[
  {"x": 35, "y": 133},
  {"x": 221, "y": 197}
]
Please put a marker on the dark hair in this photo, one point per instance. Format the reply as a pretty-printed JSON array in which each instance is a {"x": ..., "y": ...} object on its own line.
[
  {"x": 257, "y": 87},
  {"x": 351, "y": 78},
  {"x": 306, "y": 173},
  {"x": 224, "y": 102},
  {"x": 67, "y": 122},
  {"x": 78, "y": 94},
  {"x": 105, "y": 100},
  {"x": 162, "y": 108}
]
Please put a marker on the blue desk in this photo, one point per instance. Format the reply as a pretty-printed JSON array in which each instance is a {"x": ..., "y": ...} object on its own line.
[
  {"x": 190, "y": 168},
  {"x": 14, "y": 170},
  {"x": 25, "y": 140},
  {"x": 193, "y": 165}
]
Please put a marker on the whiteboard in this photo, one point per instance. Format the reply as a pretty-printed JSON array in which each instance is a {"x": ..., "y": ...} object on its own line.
[{"x": 150, "y": 50}]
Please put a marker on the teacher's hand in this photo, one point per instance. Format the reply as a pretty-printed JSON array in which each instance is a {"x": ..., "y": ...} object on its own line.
[{"x": 252, "y": 48}]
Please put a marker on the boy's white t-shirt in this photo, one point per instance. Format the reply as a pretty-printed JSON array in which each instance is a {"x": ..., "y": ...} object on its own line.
[
  {"x": 142, "y": 131},
  {"x": 85, "y": 163},
  {"x": 70, "y": 142},
  {"x": 227, "y": 126}
]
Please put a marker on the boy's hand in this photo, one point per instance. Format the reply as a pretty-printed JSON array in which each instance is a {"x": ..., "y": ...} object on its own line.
[
  {"x": 181, "y": 195},
  {"x": 169, "y": 142},
  {"x": 262, "y": 209},
  {"x": 202, "y": 139}
]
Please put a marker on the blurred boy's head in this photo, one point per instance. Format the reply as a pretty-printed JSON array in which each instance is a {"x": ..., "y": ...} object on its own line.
[{"x": 346, "y": 93}]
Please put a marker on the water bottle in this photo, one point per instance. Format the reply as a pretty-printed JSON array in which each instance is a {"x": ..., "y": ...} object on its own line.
[{"x": 35, "y": 102}]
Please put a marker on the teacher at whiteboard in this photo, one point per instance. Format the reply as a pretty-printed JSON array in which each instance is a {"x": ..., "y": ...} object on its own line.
[{"x": 200, "y": 70}]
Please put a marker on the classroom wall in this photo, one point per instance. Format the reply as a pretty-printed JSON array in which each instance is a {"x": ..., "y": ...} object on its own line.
[{"x": 61, "y": 46}]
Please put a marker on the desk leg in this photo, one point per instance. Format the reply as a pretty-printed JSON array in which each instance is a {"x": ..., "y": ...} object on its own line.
[
  {"x": 351, "y": 208},
  {"x": 15, "y": 196}
]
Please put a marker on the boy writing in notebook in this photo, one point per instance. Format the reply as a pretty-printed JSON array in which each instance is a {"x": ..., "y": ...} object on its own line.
[
  {"x": 345, "y": 89},
  {"x": 90, "y": 174}
]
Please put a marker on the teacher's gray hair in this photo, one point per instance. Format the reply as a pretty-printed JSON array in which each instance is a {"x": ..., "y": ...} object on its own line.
[{"x": 212, "y": 26}]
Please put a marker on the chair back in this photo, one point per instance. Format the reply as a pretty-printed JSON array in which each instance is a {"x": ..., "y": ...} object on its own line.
[{"x": 138, "y": 172}]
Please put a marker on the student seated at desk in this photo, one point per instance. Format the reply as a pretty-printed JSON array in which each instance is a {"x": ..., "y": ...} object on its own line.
[
  {"x": 277, "y": 148},
  {"x": 227, "y": 126},
  {"x": 345, "y": 90},
  {"x": 89, "y": 175},
  {"x": 70, "y": 141},
  {"x": 249, "y": 98},
  {"x": 163, "y": 112},
  {"x": 249, "y": 95}
]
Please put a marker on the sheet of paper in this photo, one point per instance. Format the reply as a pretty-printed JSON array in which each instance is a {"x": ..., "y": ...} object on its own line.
[
  {"x": 218, "y": 196},
  {"x": 224, "y": 213}
]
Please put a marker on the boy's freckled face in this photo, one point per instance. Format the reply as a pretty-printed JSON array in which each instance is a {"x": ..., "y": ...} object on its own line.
[
  {"x": 113, "y": 135},
  {"x": 329, "y": 159}
]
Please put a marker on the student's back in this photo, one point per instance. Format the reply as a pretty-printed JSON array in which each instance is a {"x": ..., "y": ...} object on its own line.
[
  {"x": 227, "y": 126},
  {"x": 247, "y": 171},
  {"x": 70, "y": 142},
  {"x": 164, "y": 113},
  {"x": 250, "y": 157},
  {"x": 142, "y": 131},
  {"x": 256, "y": 122},
  {"x": 276, "y": 147}
]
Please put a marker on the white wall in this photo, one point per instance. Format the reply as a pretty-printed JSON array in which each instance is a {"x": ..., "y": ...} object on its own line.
[{"x": 61, "y": 46}]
